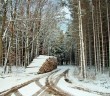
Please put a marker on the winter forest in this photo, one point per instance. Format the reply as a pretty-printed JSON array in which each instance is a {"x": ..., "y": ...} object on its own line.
[{"x": 75, "y": 32}]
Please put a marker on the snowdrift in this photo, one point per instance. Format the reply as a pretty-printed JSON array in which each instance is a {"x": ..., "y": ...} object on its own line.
[{"x": 42, "y": 64}]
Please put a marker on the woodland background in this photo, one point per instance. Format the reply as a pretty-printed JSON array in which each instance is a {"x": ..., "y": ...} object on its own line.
[{"x": 29, "y": 28}]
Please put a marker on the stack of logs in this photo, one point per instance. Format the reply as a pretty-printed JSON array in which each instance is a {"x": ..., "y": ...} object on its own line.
[{"x": 49, "y": 65}]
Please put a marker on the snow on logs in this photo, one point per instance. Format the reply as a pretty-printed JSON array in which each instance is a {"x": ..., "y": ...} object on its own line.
[
  {"x": 42, "y": 64},
  {"x": 48, "y": 65}
]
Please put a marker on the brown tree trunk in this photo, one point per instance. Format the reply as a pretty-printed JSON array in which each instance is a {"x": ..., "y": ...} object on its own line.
[
  {"x": 1, "y": 49},
  {"x": 3, "y": 29}
]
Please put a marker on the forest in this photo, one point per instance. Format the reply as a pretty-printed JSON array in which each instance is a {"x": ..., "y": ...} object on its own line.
[
  {"x": 91, "y": 34},
  {"x": 29, "y": 28},
  {"x": 26, "y": 30}
]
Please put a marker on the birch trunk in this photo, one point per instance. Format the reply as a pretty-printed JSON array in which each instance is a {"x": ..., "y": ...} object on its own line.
[
  {"x": 99, "y": 68},
  {"x": 3, "y": 29},
  {"x": 94, "y": 38},
  {"x": 82, "y": 48},
  {"x": 103, "y": 54},
  {"x": 22, "y": 50},
  {"x": 7, "y": 55},
  {"x": 16, "y": 50},
  {"x": 27, "y": 37}
]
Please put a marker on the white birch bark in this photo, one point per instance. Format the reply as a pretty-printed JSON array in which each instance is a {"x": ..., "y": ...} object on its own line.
[
  {"x": 22, "y": 49},
  {"x": 103, "y": 54},
  {"x": 94, "y": 37},
  {"x": 16, "y": 49},
  {"x": 6, "y": 58},
  {"x": 82, "y": 50},
  {"x": 98, "y": 46}
]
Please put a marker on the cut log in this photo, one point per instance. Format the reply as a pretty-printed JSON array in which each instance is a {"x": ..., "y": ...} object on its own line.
[{"x": 49, "y": 65}]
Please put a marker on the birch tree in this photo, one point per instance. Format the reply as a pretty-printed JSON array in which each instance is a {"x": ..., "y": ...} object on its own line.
[
  {"x": 3, "y": 28},
  {"x": 95, "y": 26},
  {"x": 82, "y": 52}
]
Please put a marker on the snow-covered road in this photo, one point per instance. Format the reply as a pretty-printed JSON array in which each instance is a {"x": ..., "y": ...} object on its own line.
[
  {"x": 40, "y": 86},
  {"x": 62, "y": 81},
  {"x": 55, "y": 83}
]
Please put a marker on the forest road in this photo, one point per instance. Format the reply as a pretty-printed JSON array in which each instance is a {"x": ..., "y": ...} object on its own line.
[{"x": 47, "y": 85}]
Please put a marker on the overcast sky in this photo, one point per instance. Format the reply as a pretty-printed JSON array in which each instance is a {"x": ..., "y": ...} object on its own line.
[{"x": 64, "y": 24}]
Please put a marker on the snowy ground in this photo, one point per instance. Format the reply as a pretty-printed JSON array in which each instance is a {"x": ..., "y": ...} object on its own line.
[
  {"x": 17, "y": 76},
  {"x": 100, "y": 83},
  {"x": 93, "y": 86}
]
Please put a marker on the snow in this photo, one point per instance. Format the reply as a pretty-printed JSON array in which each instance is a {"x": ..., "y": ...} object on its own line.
[
  {"x": 43, "y": 81},
  {"x": 13, "y": 94},
  {"x": 67, "y": 12},
  {"x": 14, "y": 79},
  {"x": 92, "y": 85},
  {"x": 38, "y": 62},
  {"x": 70, "y": 90},
  {"x": 32, "y": 70},
  {"x": 101, "y": 83},
  {"x": 29, "y": 90},
  {"x": 21, "y": 75}
]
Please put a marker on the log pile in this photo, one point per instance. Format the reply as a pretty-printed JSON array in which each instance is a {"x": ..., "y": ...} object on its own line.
[{"x": 49, "y": 65}]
